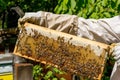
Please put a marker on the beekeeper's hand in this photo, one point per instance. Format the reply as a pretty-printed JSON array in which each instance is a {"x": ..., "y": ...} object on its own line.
[
  {"x": 31, "y": 17},
  {"x": 116, "y": 53},
  {"x": 116, "y": 69}
]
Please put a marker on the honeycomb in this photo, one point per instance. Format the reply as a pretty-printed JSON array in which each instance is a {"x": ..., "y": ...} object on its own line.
[{"x": 61, "y": 53}]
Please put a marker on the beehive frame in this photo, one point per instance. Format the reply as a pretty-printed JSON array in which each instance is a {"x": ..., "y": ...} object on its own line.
[{"x": 67, "y": 52}]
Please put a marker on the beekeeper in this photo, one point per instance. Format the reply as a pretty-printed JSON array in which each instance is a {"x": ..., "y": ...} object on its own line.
[{"x": 105, "y": 30}]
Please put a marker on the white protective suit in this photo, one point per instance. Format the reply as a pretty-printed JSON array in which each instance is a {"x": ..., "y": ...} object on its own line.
[{"x": 105, "y": 30}]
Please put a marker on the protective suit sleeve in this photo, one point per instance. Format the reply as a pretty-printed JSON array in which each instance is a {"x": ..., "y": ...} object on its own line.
[
  {"x": 105, "y": 30},
  {"x": 61, "y": 22}
]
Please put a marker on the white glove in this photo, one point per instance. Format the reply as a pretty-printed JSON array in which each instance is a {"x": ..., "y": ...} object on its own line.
[
  {"x": 116, "y": 53},
  {"x": 116, "y": 69}
]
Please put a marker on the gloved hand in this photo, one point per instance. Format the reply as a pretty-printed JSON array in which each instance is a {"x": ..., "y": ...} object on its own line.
[
  {"x": 116, "y": 53},
  {"x": 116, "y": 69}
]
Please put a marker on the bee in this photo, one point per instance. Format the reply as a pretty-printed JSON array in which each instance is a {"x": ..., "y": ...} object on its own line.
[
  {"x": 29, "y": 52},
  {"x": 32, "y": 30},
  {"x": 37, "y": 55},
  {"x": 24, "y": 31},
  {"x": 27, "y": 46},
  {"x": 19, "y": 49}
]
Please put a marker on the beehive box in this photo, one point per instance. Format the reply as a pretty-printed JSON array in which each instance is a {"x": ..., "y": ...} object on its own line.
[
  {"x": 68, "y": 52},
  {"x": 6, "y": 68},
  {"x": 23, "y": 71}
]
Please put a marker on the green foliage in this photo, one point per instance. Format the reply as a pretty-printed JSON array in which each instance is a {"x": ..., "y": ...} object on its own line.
[
  {"x": 30, "y": 5},
  {"x": 37, "y": 5},
  {"x": 2, "y": 5},
  {"x": 56, "y": 70},
  {"x": 46, "y": 73},
  {"x": 89, "y": 8},
  {"x": 37, "y": 72},
  {"x": 62, "y": 79},
  {"x": 83, "y": 8},
  {"x": 108, "y": 68}
]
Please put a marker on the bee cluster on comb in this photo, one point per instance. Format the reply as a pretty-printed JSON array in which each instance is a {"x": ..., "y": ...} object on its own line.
[{"x": 60, "y": 52}]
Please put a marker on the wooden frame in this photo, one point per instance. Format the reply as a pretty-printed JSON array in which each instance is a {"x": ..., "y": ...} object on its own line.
[{"x": 67, "y": 52}]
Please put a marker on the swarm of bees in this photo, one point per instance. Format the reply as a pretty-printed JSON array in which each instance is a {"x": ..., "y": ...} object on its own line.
[{"x": 67, "y": 56}]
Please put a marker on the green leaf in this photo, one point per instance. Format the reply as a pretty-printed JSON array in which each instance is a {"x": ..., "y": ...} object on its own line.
[
  {"x": 107, "y": 14},
  {"x": 114, "y": 0},
  {"x": 70, "y": 11},
  {"x": 73, "y": 4},
  {"x": 48, "y": 75},
  {"x": 65, "y": 1},
  {"x": 56, "y": 70},
  {"x": 90, "y": 10},
  {"x": 118, "y": 2},
  {"x": 94, "y": 15},
  {"x": 58, "y": 9},
  {"x": 84, "y": 15},
  {"x": 96, "y": 9},
  {"x": 62, "y": 79},
  {"x": 101, "y": 9},
  {"x": 64, "y": 6},
  {"x": 48, "y": 66},
  {"x": 54, "y": 79},
  {"x": 104, "y": 2},
  {"x": 91, "y": 1},
  {"x": 80, "y": 13}
]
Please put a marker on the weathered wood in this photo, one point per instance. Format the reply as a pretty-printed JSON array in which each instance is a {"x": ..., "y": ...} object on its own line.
[
  {"x": 23, "y": 71},
  {"x": 67, "y": 52}
]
